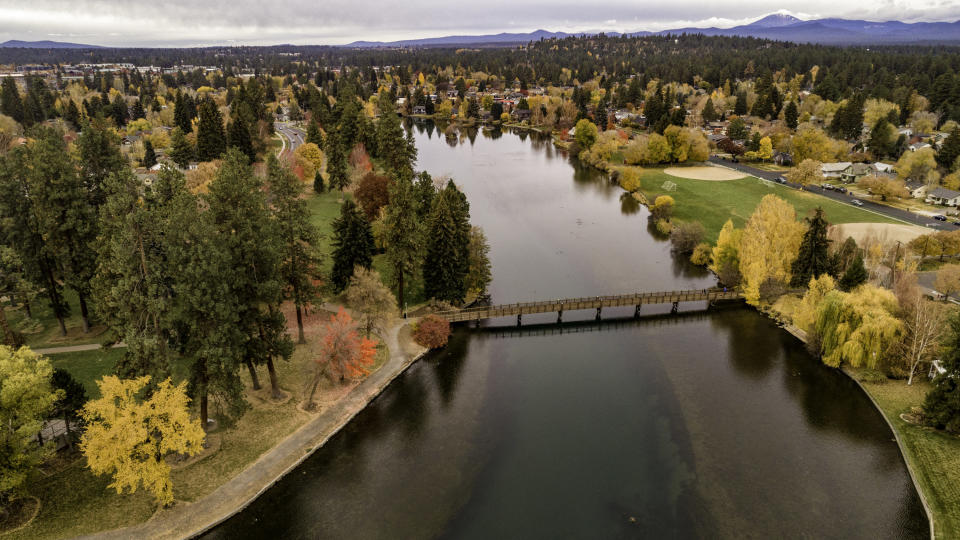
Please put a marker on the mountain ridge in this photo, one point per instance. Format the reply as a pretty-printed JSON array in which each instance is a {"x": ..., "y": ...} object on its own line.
[
  {"x": 777, "y": 26},
  {"x": 45, "y": 44}
]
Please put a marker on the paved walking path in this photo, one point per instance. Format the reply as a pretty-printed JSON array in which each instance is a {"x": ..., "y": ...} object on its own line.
[
  {"x": 76, "y": 348},
  {"x": 191, "y": 519}
]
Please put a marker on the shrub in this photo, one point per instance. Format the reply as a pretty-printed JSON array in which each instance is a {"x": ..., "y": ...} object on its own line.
[
  {"x": 662, "y": 208},
  {"x": 629, "y": 179},
  {"x": 686, "y": 236},
  {"x": 664, "y": 227},
  {"x": 701, "y": 254},
  {"x": 432, "y": 332}
]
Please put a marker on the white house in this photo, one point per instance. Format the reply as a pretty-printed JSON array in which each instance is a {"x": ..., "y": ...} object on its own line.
[
  {"x": 943, "y": 196},
  {"x": 917, "y": 189},
  {"x": 834, "y": 170}
]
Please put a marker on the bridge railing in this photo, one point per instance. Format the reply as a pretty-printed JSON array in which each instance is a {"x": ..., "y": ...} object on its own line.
[{"x": 640, "y": 297}]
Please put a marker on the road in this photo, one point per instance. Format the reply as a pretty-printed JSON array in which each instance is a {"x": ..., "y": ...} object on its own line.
[
  {"x": 895, "y": 213},
  {"x": 292, "y": 135},
  {"x": 927, "y": 280}
]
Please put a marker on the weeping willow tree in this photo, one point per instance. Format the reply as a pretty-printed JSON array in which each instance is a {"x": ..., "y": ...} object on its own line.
[
  {"x": 859, "y": 327},
  {"x": 806, "y": 313}
]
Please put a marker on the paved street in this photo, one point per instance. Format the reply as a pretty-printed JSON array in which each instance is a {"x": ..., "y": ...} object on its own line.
[
  {"x": 895, "y": 213},
  {"x": 293, "y": 135}
]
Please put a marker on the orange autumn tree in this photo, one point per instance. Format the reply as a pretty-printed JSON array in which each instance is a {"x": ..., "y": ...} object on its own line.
[{"x": 343, "y": 352}]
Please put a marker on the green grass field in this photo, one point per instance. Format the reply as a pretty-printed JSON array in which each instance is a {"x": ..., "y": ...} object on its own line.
[
  {"x": 324, "y": 208},
  {"x": 88, "y": 366},
  {"x": 42, "y": 329},
  {"x": 933, "y": 456},
  {"x": 712, "y": 203}
]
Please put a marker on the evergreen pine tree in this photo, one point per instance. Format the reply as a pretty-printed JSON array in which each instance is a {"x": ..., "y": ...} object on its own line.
[
  {"x": 137, "y": 112},
  {"x": 149, "y": 156},
  {"x": 337, "y": 163},
  {"x": 181, "y": 114},
  {"x": 855, "y": 275},
  {"x": 317, "y": 182},
  {"x": 239, "y": 137},
  {"x": 313, "y": 135},
  {"x": 813, "y": 258},
  {"x": 447, "y": 263},
  {"x": 181, "y": 151},
  {"x": 740, "y": 107},
  {"x": 299, "y": 262},
  {"x": 950, "y": 150},
  {"x": 10, "y": 102},
  {"x": 352, "y": 244},
  {"x": 72, "y": 115},
  {"x": 211, "y": 142},
  {"x": 133, "y": 281},
  {"x": 403, "y": 246},
  {"x": 249, "y": 235},
  {"x": 709, "y": 113},
  {"x": 942, "y": 404},
  {"x": 791, "y": 115}
]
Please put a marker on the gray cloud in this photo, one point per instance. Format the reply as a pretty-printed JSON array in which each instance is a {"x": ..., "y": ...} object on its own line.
[{"x": 192, "y": 22}]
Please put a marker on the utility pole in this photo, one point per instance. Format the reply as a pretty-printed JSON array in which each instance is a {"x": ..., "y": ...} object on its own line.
[{"x": 893, "y": 265}]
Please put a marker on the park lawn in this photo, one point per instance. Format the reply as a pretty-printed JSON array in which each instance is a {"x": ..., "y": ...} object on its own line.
[
  {"x": 87, "y": 367},
  {"x": 933, "y": 456},
  {"x": 42, "y": 330},
  {"x": 74, "y": 501},
  {"x": 324, "y": 208},
  {"x": 713, "y": 203}
]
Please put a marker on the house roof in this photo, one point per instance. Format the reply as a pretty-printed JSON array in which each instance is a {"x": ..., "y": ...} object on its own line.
[
  {"x": 859, "y": 169},
  {"x": 943, "y": 193},
  {"x": 836, "y": 167},
  {"x": 914, "y": 185}
]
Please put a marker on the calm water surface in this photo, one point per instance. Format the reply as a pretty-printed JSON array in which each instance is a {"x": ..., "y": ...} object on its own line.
[{"x": 709, "y": 425}]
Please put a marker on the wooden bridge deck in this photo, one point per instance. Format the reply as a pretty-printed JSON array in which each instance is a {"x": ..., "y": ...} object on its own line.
[{"x": 591, "y": 302}]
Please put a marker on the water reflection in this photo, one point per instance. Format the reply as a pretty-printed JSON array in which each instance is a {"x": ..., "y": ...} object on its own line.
[{"x": 691, "y": 425}]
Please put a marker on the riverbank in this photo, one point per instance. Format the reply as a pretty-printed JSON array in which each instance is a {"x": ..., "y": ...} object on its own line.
[
  {"x": 191, "y": 519},
  {"x": 932, "y": 457}
]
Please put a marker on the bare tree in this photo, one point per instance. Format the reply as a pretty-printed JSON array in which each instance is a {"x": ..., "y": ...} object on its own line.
[{"x": 922, "y": 323}]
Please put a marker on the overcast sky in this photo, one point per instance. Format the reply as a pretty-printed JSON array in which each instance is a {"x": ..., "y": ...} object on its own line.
[{"x": 265, "y": 22}]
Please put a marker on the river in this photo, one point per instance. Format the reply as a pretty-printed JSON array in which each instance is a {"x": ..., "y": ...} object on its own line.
[{"x": 701, "y": 424}]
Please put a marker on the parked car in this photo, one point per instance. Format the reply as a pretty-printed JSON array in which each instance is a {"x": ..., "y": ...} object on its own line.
[
  {"x": 856, "y": 202},
  {"x": 956, "y": 222},
  {"x": 841, "y": 189},
  {"x": 781, "y": 180},
  {"x": 940, "y": 217}
]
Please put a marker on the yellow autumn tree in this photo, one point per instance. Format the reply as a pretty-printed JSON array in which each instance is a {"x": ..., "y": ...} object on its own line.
[
  {"x": 310, "y": 157},
  {"x": 805, "y": 315},
  {"x": 858, "y": 328},
  {"x": 770, "y": 242},
  {"x": 129, "y": 435},
  {"x": 725, "y": 257}
]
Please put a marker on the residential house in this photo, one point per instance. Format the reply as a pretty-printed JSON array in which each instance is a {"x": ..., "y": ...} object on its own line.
[
  {"x": 783, "y": 159},
  {"x": 834, "y": 170},
  {"x": 917, "y": 189},
  {"x": 943, "y": 196},
  {"x": 419, "y": 109}
]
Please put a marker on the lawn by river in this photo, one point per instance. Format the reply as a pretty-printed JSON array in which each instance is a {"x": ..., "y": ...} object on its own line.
[{"x": 712, "y": 203}]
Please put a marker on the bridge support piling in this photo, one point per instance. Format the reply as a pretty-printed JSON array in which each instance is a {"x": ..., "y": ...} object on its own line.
[
  {"x": 599, "y": 309},
  {"x": 519, "y": 319},
  {"x": 675, "y": 308},
  {"x": 559, "y": 316},
  {"x": 476, "y": 323},
  {"x": 636, "y": 311}
]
